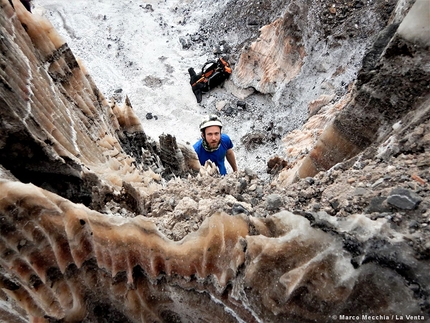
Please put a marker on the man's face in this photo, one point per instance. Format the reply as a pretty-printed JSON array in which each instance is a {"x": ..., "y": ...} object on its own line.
[{"x": 213, "y": 136}]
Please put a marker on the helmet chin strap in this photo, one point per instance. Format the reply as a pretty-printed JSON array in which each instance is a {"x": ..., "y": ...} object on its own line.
[{"x": 205, "y": 145}]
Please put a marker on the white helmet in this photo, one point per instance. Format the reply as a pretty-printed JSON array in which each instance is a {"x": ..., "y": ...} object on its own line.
[{"x": 211, "y": 120}]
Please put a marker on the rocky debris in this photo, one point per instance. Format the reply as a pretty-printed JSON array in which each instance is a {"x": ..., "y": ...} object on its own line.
[
  {"x": 340, "y": 18},
  {"x": 153, "y": 81},
  {"x": 241, "y": 105},
  {"x": 404, "y": 199},
  {"x": 276, "y": 164},
  {"x": 227, "y": 23},
  {"x": 360, "y": 186},
  {"x": 117, "y": 95},
  {"x": 150, "y": 116},
  {"x": 147, "y": 8},
  {"x": 274, "y": 202},
  {"x": 185, "y": 43},
  {"x": 251, "y": 140}
]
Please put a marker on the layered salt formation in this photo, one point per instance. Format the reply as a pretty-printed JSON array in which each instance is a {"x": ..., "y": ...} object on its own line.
[{"x": 59, "y": 131}]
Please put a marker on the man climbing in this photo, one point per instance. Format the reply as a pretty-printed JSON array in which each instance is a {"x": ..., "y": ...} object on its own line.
[{"x": 214, "y": 145}]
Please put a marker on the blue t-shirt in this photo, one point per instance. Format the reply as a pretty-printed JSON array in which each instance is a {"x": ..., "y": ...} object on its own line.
[{"x": 217, "y": 156}]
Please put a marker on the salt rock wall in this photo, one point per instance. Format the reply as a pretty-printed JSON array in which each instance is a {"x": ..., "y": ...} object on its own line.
[
  {"x": 391, "y": 83},
  {"x": 389, "y": 86},
  {"x": 63, "y": 261},
  {"x": 275, "y": 58},
  {"x": 57, "y": 129}
]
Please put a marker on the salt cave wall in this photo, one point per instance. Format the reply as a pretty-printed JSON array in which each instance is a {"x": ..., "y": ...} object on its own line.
[
  {"x": 58, "y": 130},
  {"x": 393, "y": 80},
  {"x": 63, "y": 261},
  {"x": 56, "y": 125}
]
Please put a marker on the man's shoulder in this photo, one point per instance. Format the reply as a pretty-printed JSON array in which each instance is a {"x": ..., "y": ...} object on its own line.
[
  {"x": 225, "y": 137},
  {"x": 226, "y": 141},
  {"x": 198, "y": 144}
]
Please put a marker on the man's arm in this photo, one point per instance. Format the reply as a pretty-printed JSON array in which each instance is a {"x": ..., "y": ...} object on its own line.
[{"x": 231, "y": 158}]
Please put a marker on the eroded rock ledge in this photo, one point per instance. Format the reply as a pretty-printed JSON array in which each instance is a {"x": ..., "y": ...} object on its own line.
[{"x": 66, "y": 262}]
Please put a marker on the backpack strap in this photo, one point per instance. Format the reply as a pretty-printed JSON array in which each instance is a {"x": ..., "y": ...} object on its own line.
[
  {"x": 203, "y": 79},
  {"x": 226, "y": 65}
]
